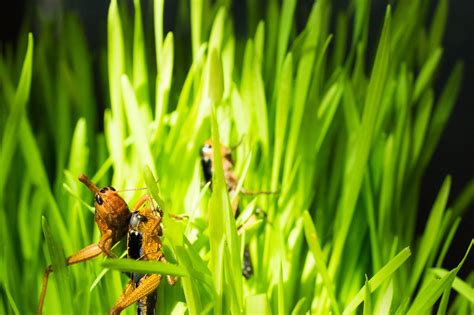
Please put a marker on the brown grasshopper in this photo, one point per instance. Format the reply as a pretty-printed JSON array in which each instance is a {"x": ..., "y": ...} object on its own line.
[
  {"x": 143, "y": 243},
  {"x": 207, "y": 158},
  {"x": 112, "y": 217}
]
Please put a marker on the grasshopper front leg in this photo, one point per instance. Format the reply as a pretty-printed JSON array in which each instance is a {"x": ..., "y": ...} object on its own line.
[{"x": 84, "y": 254}]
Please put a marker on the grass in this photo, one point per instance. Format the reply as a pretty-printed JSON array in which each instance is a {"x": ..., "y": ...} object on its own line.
[{"x": 342, "y": 128}]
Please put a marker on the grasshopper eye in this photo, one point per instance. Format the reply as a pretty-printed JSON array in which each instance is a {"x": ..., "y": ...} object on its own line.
[{"x": 99, "y": 200}]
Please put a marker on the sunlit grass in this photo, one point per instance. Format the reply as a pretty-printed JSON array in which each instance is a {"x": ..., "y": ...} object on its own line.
[{"x": 340, "y": 129}]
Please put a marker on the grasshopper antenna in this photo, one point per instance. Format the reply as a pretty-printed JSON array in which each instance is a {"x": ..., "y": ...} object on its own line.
[{"x": 86, "y": 181}]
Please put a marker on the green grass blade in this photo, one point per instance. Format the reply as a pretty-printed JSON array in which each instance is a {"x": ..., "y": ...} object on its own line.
[
  {"x": 12, "y": 125},
  {"x": 152, "y": 185},
  {"x": 367, "y": 298},
  {"x": 284, "y": 28},
  {"x": 459, "y": 285},
  {"x": 382, "y": 275},
  {"x": 135, "y": 122},
  {"x": 430, "y": 234},
  {"x": 196, "y": 25},
  {"x": 164, "y": 80},
  {"x": 313, "y": 243},
  {"x": 139, "y": 65},
  {"x": 284, "y": 96},
  {"x": 158, "y": 25},
  {"x": 427, "y": 73},
  {"x": 131, "y": 265},
  {"x": 355, "y": 169},
  {"x": 431, "y": 292},
  {"x": 441, "y": 113},
  {"x": 58, "y": 261}
]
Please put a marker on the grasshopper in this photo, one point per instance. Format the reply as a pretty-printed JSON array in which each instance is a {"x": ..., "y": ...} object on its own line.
[
  {"x": 143, "y": 243},
  {"x": 207, "y": 157},
  {"x": 112, "y": 217}
]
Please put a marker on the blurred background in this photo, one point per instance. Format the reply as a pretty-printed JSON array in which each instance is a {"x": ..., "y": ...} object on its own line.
[{"x": 454, "y": 154}]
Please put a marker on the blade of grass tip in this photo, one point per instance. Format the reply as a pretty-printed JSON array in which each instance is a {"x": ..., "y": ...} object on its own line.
[
  {"x": 356, "y": 169},
  {"x": 421, "y": 123},
  {"x": 367, "y": 298},
  {"x": 217, "y": 32},
  {"x": 158, "y": 23},
  {"x": 196, "y": 26},
  {"x": 215, "y": 81},
  {"x": 299, "y": 308},
  {"x": 137, "y": 128},
  {"x": 284, "y": 29},
  {"x": 79, "y": 150},
  {"x": 12, "y": 124},
  {"x": 361, "y": 21},
  {"x": 313, "y": 243},
  {"x": 116, "y": 67},
  {"x": 459, "y": 285},
  {"x": 430, "y": 234},
  {"x": 164, "y": 79},
  {"x": 442, "y": 112},
  {"x": 438, "y": 24},
  {"x": 426, "y": 74},
  {"x": 58, "y": 261},
  {"x": 431, "y": 292},
  {"x": 382, "y": 275},
  {"x": 140, "y": 73}
]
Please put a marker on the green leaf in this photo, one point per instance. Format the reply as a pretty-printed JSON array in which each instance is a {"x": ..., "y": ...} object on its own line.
[
  {"x": 426, "y": 74},
  {"x": 58, "y": 261},
  {"x": 431, "y": 291},
  {"x": 313, "y": 243},
  {"x": 459, "y": 285},
  {"x": 12, "y": 125},
  {"x": 382, "y": 275},
  {"x": 429, "y": 236},
  {"x": 367, "y": 298},
  {"x": 130, "y": 265},
  {"x": 356, "y": 165}
]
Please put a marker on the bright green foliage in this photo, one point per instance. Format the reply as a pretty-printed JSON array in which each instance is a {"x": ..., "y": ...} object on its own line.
[{"x": 340, "y": 131}]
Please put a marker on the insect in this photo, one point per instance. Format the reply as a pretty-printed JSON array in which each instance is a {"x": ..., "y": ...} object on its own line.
[
  {"x": 112, "y": 217},
  {"x": 207, "y": 157},
  {"x": 143, "y": 243}
]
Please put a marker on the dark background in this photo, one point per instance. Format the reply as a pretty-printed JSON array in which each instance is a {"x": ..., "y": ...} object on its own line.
[{"x": 455, "y": 152}]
